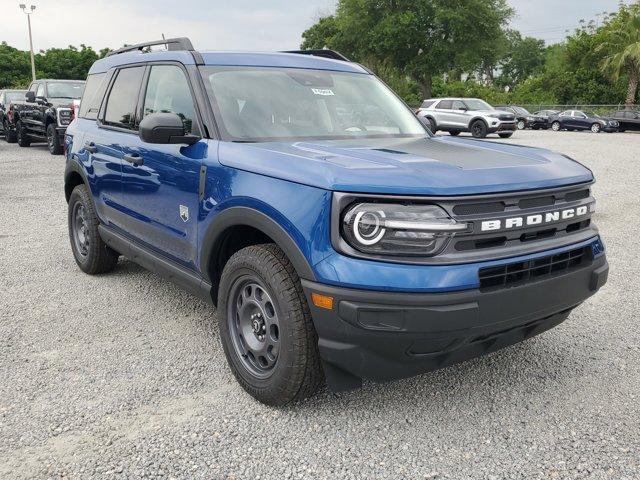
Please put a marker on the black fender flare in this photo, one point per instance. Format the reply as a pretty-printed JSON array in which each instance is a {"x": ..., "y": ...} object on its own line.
[
  {"x": 72, "y": 167},
  {"x": 472, "y": 121},
  {"x": 250, "y": 217}
]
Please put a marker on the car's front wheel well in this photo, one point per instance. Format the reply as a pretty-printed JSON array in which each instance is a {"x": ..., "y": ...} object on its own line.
[{"x": 232, "y": 240}]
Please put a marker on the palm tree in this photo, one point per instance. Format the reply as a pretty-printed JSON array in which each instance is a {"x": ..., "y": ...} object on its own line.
[{"x": 624, "y": 43}]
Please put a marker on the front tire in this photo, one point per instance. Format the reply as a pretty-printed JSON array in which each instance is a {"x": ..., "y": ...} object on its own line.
[
  {"x": 22, "y": 136},
  {"x": 521, "y": 125},
  {"x": 505, "y": 135},
  {"x": 53, "y": 140},
  {"x": 596, "y": 127},
  {"x": 479, "y": 129},
  {"x": 92, "y": 255},
  {"x": 432, "y": 125},
  {"x": 9, "y": 136},
  {"x": 266, "y": 328},
  {"x": 454, "y": 133},
  {"x": 555, "y": 126}
]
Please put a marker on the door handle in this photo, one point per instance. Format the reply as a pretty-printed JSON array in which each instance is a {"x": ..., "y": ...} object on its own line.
[
  {"x": 136, "y": 159},
  {"x": 90, "y": 147}
]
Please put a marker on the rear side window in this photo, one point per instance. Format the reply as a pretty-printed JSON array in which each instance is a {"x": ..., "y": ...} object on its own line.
[
  {"x": 122, "y": 101},
  {"x": 427, "y": 103},
  {"x": 445, "y": 104},
  {"x": 92, "y": 97},
  {"x": 168, "y": 91}
]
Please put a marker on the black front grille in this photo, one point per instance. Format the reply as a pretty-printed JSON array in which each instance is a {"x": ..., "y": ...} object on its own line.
[{"x": 522, "y": 272}]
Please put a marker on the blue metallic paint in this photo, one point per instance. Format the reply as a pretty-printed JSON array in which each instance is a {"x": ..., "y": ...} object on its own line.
[{"x": 292, "y": 182}]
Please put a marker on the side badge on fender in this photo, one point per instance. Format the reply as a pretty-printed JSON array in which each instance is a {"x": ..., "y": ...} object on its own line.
[{"x": 184, "y": 213}]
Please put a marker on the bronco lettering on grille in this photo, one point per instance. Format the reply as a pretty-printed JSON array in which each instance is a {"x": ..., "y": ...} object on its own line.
[{"x": 535, "y": 219}]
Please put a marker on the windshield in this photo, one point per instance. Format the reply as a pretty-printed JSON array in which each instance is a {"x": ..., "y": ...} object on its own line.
[
  {"x": 476, "y": 104},
  {"x": 265, "y": 103},
  {"x": 14, "y": 96},
  {"x": 65, "y": 89},
  {"x": 521, "y": 111}
]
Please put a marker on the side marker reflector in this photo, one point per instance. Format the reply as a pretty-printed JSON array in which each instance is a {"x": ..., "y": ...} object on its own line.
[{"x": 322, "y": 301}]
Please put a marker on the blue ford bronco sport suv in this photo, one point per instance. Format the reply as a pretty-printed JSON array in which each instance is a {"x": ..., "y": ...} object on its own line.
[{"x": 337, "y": 237}]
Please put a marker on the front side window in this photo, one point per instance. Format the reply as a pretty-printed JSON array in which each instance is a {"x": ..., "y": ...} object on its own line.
[
  {"x": 458, "y": 105},
  {"x": 266, "y": 103},
  {"x": 476, "y": 104},
  {"x": 122, "y": 101},
  {"x": 40, "y": 91},
  {"x": 168, "y": 92},
  {"x": 71, "y": 90}
]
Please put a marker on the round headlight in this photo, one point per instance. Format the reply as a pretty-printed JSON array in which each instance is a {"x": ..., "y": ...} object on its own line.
[
  {"x": 367, "y": 227},
  {"x": 397, "y": 229}
]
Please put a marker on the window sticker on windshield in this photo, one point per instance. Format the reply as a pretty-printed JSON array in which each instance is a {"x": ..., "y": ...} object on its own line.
[{"x": 322, "y": 91}]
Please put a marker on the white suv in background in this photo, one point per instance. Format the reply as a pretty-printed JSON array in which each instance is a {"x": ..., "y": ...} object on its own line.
[{"x": 455, "y": 115}]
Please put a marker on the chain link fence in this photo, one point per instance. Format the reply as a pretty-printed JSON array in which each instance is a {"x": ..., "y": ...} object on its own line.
[{"x": 601, "y": 109}]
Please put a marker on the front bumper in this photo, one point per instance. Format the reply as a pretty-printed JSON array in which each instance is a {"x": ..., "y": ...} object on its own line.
[
  {"x": 389, "y": 335},
  {"x": 503, "y": 127}
]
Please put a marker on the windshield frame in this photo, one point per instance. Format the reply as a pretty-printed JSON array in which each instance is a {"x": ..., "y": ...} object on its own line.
[{"x": 207, "y": 70}]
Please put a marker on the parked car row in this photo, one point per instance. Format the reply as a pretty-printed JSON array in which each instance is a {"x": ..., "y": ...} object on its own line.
[
  {"x": 40, "y": 113},
  {"x": 617, "y": 121},
  {"x": 475, "y": 116}
]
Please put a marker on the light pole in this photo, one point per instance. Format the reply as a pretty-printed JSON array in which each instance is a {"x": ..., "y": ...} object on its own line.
[{"x": 29, "y": 12}]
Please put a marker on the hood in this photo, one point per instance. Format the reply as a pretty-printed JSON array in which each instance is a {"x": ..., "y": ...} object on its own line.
[
  {"x": 407, "y": 166},
  {"x": 62, "y": 102}
]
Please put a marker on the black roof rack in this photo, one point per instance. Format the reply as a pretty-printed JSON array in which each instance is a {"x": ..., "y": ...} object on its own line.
[
  {"x": 173, "y": 44},
  {"x": 321, "y": 53}
]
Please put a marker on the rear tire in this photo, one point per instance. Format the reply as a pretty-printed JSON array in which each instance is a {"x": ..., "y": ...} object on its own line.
[
  {"x": 479, "y": 129},
  {"x": 92, "y": 255},
  {"x": 22, "y": 136},
  {"x": 53, "y": 140},
  {"x": 454, "y": 133},
  {"x": 265, "y": 327},
  {"x": 505, "y": 135}
]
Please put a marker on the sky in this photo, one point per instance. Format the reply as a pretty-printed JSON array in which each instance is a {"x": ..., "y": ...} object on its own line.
[{"x": 261, "y": 25}]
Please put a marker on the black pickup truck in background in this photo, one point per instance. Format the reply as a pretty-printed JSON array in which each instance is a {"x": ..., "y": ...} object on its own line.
[
  {"x": 45, "y": 112},
  {"x": 6, "y": 98}
]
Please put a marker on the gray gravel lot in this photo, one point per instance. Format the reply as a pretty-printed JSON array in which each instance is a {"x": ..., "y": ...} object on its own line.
[{"x": 123, "y": 374}]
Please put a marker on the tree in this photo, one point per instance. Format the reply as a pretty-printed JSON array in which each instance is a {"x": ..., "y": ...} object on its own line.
[
  {"x": 623, "y": 47},
  {"x": 524, "y": 58},
  {"x": 15, "y": 69},
  {"x": 418, "y": 38}
]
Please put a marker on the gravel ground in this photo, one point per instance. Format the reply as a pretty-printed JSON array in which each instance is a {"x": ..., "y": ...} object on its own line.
[{"x": 123, "y": 374}]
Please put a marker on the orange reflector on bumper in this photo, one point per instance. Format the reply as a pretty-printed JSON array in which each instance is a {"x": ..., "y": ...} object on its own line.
[{"x": 322, "y": 301}]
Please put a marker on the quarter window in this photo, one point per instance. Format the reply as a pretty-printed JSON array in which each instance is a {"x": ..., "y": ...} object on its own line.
[
  {"x": 92, "y": 97},
  {"x": 121, "y": 105},
  {"x": 168, "y": 92}
]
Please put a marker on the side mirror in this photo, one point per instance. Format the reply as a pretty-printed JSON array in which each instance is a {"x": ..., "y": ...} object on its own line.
[
  {"x": 464, "y": 109},
  {"x": 30, "y": 97},
  {"x": 164, "y": 128}
]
